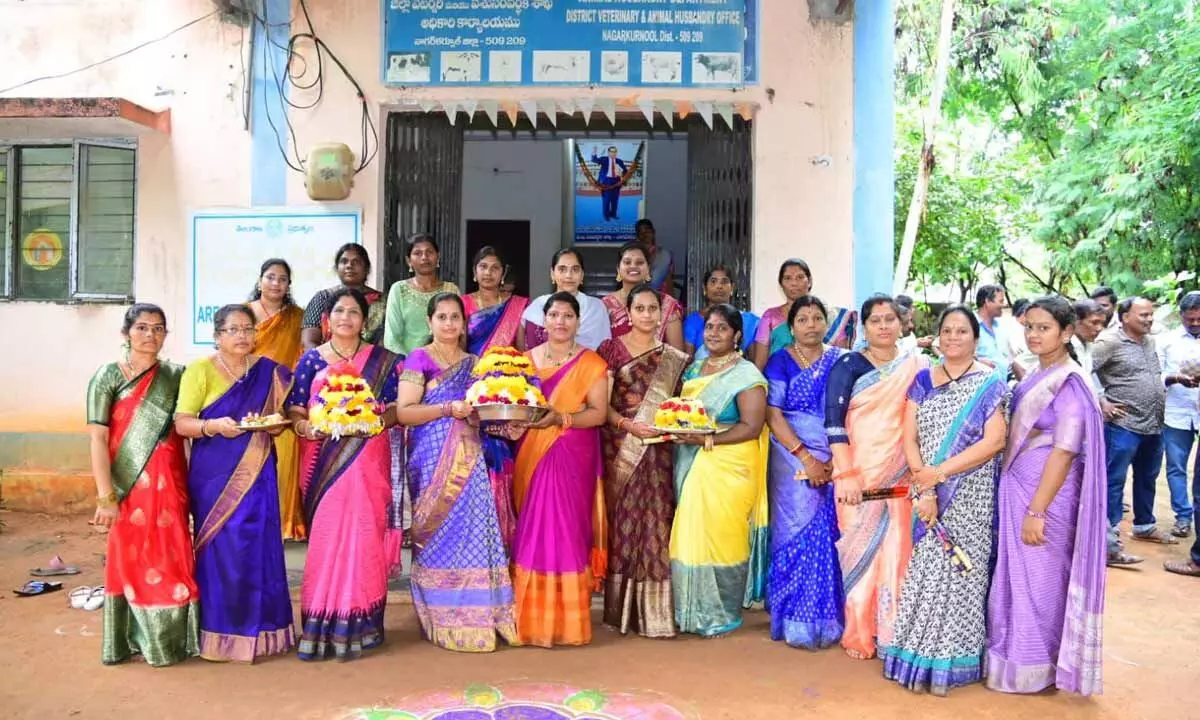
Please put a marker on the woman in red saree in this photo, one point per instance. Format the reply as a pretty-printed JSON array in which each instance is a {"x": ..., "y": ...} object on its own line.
[
  {"x": 560, "y": 511},
  {"x": 633, "y": 269},
  {"x": 151, "y": 600},
  {"x": 865, "y": 401},
  {"x": 639, "y": 478}
]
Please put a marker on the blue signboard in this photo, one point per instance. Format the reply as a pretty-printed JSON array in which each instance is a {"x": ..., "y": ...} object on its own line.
[{"x": 670, "y": 43}]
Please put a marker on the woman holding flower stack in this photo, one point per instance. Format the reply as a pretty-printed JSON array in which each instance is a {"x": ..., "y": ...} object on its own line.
[
  {"x": 643, "y": 371},
  {"x": 245, "y": 606},
  {"x": 347, "y": 492},
  {"x": 460, "y": 582}
]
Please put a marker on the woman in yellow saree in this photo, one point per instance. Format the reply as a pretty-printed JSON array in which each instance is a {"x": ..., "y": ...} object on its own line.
[
  {"x": 278, "y": 322},
  {"x": 864, "y": 419},
  {"x": 719, "y": 550}
]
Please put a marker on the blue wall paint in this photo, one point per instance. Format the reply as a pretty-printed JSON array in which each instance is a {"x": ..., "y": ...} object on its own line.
[
  {"x": 268, "y": 170},
  {"x": 874, "y": 138}
]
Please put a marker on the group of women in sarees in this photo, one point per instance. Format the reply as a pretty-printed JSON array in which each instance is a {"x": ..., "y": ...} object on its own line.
[{"x": 906, "y": 511}]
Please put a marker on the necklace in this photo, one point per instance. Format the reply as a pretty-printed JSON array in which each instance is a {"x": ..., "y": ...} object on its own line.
[
  {"x": 357, "y": 347},
  {"x": 880, "y": 365},
  {"x": 267, "y": 311},
  {"x": 134, "y": 371},
  {"x": 245, "y": 371},
  {"x": 716, "y": 364},
  {"x": 559, "y": 363},
  {"x": 954, "y": 380},
  {"x": 439, "y": 355},
  {"x": 803, "y": 361}
]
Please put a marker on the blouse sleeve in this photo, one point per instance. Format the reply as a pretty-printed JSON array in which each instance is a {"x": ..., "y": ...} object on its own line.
[
  {"x": 777, "y": 381},
  {"x": 318, "y": 306},
  {"x": 837, "y": 400},
  {"x": 920, "y": 387},
  {"x": 101, "y": 393},
  {"x": 306, "y": 370},
  {"x": 762, "y": 334},
  {"x": 414, "y": 368},
  {"x": 1069, "y": 413},
  {"x": 673, "y": 312},
  {"x": 193, "y": 388}
]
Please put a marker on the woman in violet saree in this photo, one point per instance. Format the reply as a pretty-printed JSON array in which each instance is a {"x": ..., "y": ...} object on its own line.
[
  {"x": 150, "y": 604},
  {"x": 245, "y": 606},
  {"x": 773, "y": 332},
  {"x": 1046, "y": 605},
  {"x": 494, "y": 320},
  {"x": 804, "y": 584},
  {"x": 560, "y": 519},
  {"x": 865, "y": 400},
  {"x": 633, "y": 267},
  {"x": 349, "y": 501},
  {"x": 953, "y": 432},
  {"x": 460, "y": 583},
  {"x": 639, "y": 489},
  {"x": 278, "y": 338},
  {"x": 718, "y": 540},
  {"x": 718, "y": 289},
  {"x": 566, "y": 274}
]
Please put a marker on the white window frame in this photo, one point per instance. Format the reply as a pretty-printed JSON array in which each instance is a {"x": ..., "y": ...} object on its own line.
[{"x": 78, "y": 170}]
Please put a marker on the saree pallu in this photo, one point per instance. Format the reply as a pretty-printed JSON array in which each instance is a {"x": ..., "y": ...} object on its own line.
[
  {"x": 876, "y": 536},
  {"x": 640, "y": 495},
  {"x": 278, "y": 338},
  {"x": 151, "y": 603},
  {"x": 245, "y": 606},
  {"x": 805, "y": 594},
  {"x": 719, "y": 537},
  {"x": 347, "y": 494},
  {"x": 497, "y": 326},
  {"x": 460, "y": 578},
  {"x": 1046, "y": 604},
  {"x": 841, "y": 332},
  {"x": 557, "y": 550},
  {"x": 940, "y": 630}
]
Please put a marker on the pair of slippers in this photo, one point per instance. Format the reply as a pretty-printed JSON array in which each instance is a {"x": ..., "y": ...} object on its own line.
[
  {"x": 87, "y": 598},
  {"x": 56, "y": 567}
]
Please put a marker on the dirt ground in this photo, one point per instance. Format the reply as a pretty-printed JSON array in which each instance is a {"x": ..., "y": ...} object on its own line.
[{"x": 50, "y": 664}]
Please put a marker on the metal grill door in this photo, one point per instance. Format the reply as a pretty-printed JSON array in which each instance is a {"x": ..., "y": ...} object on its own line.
[
  {"x": 720, "y": 194},
  {"x": 423, "y": 191}
]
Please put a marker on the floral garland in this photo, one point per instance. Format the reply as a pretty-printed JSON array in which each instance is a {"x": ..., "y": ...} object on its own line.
[{"x": 629, "y": 169}]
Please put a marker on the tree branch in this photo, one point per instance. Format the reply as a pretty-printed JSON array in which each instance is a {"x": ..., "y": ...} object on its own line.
[{"x": 1030, "y": 273}]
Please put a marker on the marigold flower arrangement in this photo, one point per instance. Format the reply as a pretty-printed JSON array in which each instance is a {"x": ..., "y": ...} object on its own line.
[
  {"x": 682, "y": 414},
  {"x": 347, "y": 406},
  {"x": 506, "y": 377}
]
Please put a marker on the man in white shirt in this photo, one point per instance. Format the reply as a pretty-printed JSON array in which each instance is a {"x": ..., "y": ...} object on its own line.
[
  {"x": 909, "y": 342},
  {"x": 1090, "y": 322},
  {"x": 1012, "y": 336},
  {"x": 1180, "y": 357}
]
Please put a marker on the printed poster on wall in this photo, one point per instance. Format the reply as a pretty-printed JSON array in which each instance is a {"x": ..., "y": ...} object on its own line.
[
  {"x": 684, "y": 43},
  {"x": 609, "y": 189}
]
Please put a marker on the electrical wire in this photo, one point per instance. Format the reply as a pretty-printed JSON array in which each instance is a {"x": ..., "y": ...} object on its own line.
[{"x": 110, "y": 58}]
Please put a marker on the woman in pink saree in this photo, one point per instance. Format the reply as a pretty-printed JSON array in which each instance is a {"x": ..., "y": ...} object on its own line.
[
  {"x": 347, "y": 495},
  {"x": 1046, "y": 605},
  {"x": 864, "y": 418}
]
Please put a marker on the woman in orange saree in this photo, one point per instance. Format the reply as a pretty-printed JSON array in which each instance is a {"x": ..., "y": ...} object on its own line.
[
  {"x": 560, "y": 511},
  {"x": 151, "y": 600},
  {"x": 278, "y": 321},
  {"x": 864, "y": 419}
]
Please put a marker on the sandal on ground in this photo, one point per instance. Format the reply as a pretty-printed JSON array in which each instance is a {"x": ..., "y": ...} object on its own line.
[
  {"x": 56, "y": 566},
  {"x": 1182, "y": 567},
  {"x": 38, "y": 587},
  {"x": 95, "y": 599},
  {"x": 1156, "y": 536},
  {"x": 1182, "y": 529},
  {"x": 1122, "y": 559},
  {"x": 79, "y": 596}
]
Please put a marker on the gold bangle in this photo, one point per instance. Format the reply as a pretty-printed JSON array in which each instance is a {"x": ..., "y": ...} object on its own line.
[
  {"x": 108, "y": 500},
  {"x": 708, "y": 442}
]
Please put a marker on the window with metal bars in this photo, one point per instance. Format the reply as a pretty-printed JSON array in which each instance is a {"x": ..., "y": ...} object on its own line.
[{"x": 68, "y": 217}]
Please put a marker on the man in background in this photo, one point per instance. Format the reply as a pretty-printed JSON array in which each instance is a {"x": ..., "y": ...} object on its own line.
[
  {"x": 1107, "y": 300},
  {"x": 1090, "y": 321},
  {"x": 1126, "y": 362},
  {"x": 909, "y": 342},
  {"x": 1013, "y": 337},
  {"x": 611, "y": 179},
  {"x": 989, "y": 306},
  {"x": 1180, "y": 356},
  {"x": 662, "y": 264}
]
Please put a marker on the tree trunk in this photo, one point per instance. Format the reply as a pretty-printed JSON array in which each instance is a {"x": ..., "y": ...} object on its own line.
[{"x": 933, "y": 116}]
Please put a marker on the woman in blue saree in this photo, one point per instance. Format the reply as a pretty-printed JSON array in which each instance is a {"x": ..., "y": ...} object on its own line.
[
  {"x": 953, "y": 434},
  {"x": 245, "y": 607},
  {"x": 460, "y": 582},
  {"x": 494, "y": 320},
  {"x": 804, "y": 584}
]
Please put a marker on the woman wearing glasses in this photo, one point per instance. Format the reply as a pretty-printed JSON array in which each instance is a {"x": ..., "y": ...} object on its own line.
[{"x": 245, "y": 607}]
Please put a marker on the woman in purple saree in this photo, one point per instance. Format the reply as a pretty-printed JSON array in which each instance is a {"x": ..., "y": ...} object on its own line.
[
  {"x": 460, "y": 583},
  {"x": 245, "y": 606},
  {"x": 1046, "y": 605}
]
